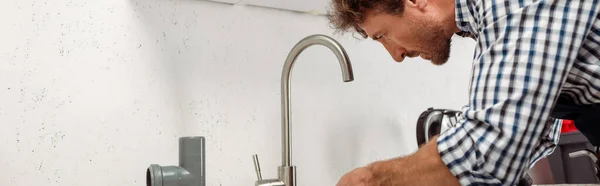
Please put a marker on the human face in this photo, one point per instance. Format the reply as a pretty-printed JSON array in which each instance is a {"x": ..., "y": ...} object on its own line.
[{"x": 414, "y": 33}]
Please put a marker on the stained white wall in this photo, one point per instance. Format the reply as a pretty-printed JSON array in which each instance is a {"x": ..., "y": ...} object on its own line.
[{"x": 92, "y": 92}]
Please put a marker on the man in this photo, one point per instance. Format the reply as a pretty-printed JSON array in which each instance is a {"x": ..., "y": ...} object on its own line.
[{"x": 534, "y": 61}]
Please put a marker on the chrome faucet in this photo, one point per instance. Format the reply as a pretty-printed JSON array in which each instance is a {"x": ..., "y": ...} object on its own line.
[{"x": 287, "y": 171}]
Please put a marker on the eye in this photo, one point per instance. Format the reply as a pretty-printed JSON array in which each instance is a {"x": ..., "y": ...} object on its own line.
[{"x": 378, "y": 37}]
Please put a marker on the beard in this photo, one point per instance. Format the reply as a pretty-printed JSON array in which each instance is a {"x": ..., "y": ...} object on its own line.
[
  {"x": 441, "y": 53},
  {"x": 434, "y": 42}
]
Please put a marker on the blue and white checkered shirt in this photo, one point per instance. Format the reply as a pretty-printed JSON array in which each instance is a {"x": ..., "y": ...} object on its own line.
[{"x": 527, "y": 54}]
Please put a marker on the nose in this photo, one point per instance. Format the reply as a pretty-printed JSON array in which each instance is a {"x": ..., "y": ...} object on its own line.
[{"x": 397, "y": 52}]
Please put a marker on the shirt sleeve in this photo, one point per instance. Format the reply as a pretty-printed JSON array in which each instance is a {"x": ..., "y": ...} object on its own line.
[
  {"x": 548, "y": 142},
  {"x": 522, "y": 57}
]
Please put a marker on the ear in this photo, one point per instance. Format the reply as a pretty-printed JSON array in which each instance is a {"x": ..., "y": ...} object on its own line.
[{"x": 419, "y": 4}]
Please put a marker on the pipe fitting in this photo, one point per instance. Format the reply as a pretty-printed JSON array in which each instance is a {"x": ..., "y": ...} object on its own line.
[{"x": 191, "y": 169}]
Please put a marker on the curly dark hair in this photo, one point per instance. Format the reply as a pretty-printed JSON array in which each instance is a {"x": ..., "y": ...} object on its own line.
[{"x": 348, "y": 14}]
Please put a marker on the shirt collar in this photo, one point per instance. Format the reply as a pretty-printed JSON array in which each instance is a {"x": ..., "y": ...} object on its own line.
[{"x": 464, "y": 18}]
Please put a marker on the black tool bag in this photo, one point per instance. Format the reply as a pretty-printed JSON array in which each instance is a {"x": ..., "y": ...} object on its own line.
[
  {"x": 586, "y": 117},
  {"x": 432, "y": 121}
]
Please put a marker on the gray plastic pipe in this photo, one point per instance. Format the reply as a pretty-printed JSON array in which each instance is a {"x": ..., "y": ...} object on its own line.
[{"x": 190, "y": 171}]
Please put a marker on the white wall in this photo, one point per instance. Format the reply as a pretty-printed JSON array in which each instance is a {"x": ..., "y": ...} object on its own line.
[{"x": 92, "y": 92}]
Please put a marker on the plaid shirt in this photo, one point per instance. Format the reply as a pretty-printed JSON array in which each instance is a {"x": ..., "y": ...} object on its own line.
[{"x": 528, "y": 53}]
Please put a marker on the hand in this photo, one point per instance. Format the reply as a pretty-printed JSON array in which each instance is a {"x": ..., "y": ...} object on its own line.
[
  {"x": 357, "y": 177},
  {"x": 423, "y": 168}
]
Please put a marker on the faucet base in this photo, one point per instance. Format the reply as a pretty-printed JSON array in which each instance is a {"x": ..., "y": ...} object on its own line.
[
  {"x": 287, "y": 174},
  {"x": 269, "y": 182}
]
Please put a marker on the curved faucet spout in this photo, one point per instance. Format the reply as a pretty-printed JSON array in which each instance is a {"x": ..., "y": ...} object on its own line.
[{"x": 347, "y": 75}]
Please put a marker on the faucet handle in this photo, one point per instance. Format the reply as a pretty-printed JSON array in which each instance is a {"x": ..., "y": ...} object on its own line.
[{"x": 257, "y": 167}]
